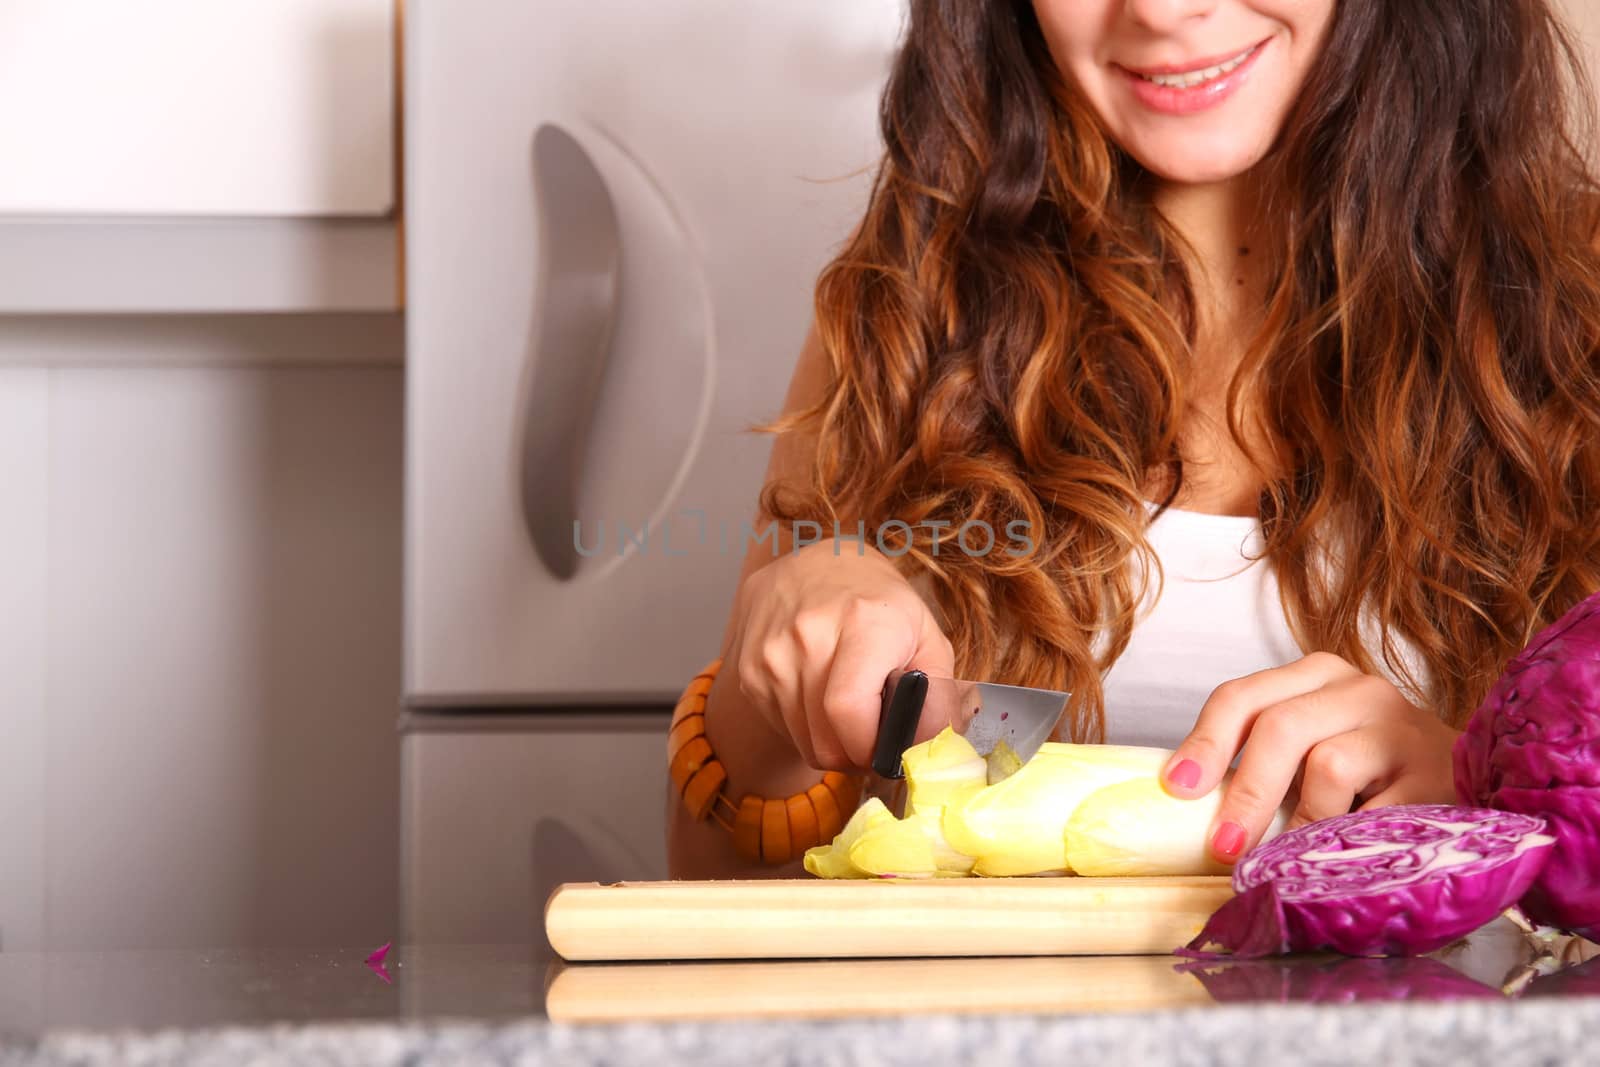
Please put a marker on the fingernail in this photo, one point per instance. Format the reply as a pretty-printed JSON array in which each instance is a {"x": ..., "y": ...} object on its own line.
[
  {"x": 1185, "y": 773},
  {"x": 1229, "y": 840}
]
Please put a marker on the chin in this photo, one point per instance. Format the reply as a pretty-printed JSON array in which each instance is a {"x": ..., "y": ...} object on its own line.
[
  {"x": 1196, "y": 174},
  {"x": 1199, "y": 166}
]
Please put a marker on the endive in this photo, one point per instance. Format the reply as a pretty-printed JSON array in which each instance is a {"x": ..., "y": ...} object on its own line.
[
  {"x": 908, "y": 848},
  {"x": 1018, "y": 825},
  {"x": 1072, "y": 809},
  {"x": 1138, "y": 828},
  {"x": 941, "y": 770},
  {"x": 944, "y": 770},
  {"x": 833, "y": 860}
]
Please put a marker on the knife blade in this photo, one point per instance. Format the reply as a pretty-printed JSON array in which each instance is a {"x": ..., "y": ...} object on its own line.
[{"x": 987, "y": 714}]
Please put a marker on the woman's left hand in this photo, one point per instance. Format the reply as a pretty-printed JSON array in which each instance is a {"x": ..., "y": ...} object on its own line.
[{"x": 1346, "y": 736}]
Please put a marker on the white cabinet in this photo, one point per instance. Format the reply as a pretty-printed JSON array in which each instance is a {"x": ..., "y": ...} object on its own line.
[
  {"x": 199, "y": 638},
  {"x": 497, "y": 810},
  {"x": 197, "y": 156},
  {"x": 197, "y": 107},
  {"x": 24, "y": 552}
]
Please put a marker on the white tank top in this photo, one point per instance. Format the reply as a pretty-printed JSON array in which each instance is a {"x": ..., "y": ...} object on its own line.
[{"x": 1217, "y": 617}]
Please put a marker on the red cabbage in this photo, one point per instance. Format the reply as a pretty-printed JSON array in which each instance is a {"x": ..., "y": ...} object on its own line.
[
  {"x": 1533, "y": 747},
  {"x": 1566, "y": 894},
  {"x": 1396, "y": 881},
  {"x": 1313, "y": 980}
]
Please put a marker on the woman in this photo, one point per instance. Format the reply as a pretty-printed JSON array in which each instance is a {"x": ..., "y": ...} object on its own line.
[{"x": 1311, "y": 286}]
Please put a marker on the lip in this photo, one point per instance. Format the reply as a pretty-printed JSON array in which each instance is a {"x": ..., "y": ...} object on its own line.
[
  {"x": 1194, "y": 65},
  {"x": 1170, "y": 100}
]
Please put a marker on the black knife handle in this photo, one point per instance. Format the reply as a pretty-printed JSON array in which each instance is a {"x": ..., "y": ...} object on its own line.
[{"x": 903, "y": 696}]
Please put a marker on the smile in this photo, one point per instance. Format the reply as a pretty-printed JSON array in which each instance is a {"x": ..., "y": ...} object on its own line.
[
  {"x": 1197, "y": 76},
  {"x": 1195, "y": 87}
]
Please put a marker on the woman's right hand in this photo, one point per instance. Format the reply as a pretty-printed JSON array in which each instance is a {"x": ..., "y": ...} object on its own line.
[{"x": 817, "y": 632}]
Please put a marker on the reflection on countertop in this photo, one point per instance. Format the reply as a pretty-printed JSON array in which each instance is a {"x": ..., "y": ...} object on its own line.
[
  {"x": 45, "y": 992},
  {"x": 1497, "y": 963},
  {"x": 42, "y": 993}
]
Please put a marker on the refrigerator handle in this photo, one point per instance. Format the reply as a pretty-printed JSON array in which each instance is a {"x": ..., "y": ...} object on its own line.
[{"x": 576, "y": 302}]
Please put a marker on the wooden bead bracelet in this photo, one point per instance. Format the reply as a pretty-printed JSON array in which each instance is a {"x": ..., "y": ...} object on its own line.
[{"x": 765, "y": 830}]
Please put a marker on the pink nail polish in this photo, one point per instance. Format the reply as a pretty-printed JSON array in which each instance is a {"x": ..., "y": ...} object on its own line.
[
  {"x": 1229, "y": 840},
  {"x": 1185, "y": 774}
]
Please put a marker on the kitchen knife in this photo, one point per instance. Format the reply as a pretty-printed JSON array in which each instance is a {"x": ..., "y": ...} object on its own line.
[{"x": 985, "y": 713}]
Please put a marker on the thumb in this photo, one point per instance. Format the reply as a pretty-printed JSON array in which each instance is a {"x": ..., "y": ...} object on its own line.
[{"x": 934, "y": 653}]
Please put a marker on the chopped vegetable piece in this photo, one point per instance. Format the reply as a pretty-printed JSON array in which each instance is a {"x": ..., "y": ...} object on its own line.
[
  {"x": 908, "y": 848},
  {"x": 935, "y": 771},
  {"x": 895, "y": 848},
  {"x": 833, "y": 860},
  {"x": 1001, "y": 763}
]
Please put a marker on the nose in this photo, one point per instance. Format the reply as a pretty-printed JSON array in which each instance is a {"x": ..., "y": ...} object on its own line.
[{"x": 1164, "y": 16}]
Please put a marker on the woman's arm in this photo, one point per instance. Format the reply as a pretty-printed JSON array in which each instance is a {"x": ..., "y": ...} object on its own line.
[{"x": 808, "y": 643}]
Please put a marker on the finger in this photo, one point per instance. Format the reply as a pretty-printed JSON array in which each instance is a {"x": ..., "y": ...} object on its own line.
[
  {"x": 935, "y": 656},
  {"x": 876, "y": 637},
  {"x": 1409, "y": 789},
  {"x": 785, "y": 668},
  {"x": 822, "y": 747},
  {"x": 1281, "y": 737},
  {"x": 770, "y": 674},
  {"x": 1226, "y": 718},
  {"x": 1336, "y": 771},
  {"x": 753, "y": 685},
  {"x": 816, "y": 633}
]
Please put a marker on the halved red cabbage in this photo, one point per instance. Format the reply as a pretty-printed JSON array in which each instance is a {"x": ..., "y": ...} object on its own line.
[
  {"x": 1533, "y": 747},
  {"x": 1321, "y": 980},
  {"x": 1396, "y": 881}
]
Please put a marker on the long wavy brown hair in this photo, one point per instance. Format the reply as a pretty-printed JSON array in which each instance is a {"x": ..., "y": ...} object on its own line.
[{"x": 1010, "y": 332}]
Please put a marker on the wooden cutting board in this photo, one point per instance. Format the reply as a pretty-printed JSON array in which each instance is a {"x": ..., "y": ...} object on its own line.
[{"x": 854, "y": 919}]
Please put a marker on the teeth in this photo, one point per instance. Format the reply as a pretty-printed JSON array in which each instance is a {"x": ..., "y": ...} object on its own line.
[{"x": 1198, "y": 77}]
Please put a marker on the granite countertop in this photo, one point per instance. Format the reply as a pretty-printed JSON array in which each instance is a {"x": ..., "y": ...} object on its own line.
[{"x": 514, "y": 1004}]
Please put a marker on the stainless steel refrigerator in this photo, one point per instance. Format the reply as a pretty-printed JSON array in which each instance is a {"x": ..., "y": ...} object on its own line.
[{"x": 615, "y": 214}]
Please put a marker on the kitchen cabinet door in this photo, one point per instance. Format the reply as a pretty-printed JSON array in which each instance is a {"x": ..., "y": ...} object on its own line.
[
  {"x": 24, "y": 551},
  {"x": 497, "y": 810},
  {"x": 195, "y": 107}
]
